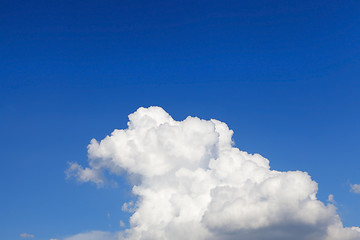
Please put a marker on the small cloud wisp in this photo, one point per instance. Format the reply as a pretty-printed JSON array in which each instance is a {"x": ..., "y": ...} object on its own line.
[
  {"x": 355, "y": 188},
  {"x": 26, "y": 235}
]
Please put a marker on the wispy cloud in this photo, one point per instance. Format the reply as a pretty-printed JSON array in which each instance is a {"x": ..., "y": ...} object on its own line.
[
  {"x": 27, "y": 235},
  {"x": 355, "y": 188},
  {"x": 121, "y": 223},
  {"x": 331, "y": 199},
  {"x": 94, "y": 235},
  {"x": 84, "y": 174},
  {"x": 194, "y": 184}
]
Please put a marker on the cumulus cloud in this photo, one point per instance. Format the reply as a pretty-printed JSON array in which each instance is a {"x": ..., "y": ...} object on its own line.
[
  {"x": 193, "y": 183},
  {"x": 27, "y": 235},
  {"x": 355, "y": 188}
]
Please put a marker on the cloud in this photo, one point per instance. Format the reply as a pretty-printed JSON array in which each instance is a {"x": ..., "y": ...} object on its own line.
[
  {"x": 121, "y": 223},
  {"x": 84, "y": 174},
  {"x": 128, "y": 207},
  {"x": 193, "y": 183},
  {"x": 27, "y": 235},
  {"x": 94, "y": 235},
  {"x": 331, "y": 199},
  {"x": 355, "y": 188}
]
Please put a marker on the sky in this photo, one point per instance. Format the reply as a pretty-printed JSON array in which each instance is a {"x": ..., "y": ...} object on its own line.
[{"x": 283, "y": 76}]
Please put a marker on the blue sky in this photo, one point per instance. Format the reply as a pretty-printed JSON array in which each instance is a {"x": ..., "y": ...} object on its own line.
[{"x": 283, "y": 75}]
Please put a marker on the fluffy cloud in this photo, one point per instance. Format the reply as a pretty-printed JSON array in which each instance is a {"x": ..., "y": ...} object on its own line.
[
  {"x": 192, "y": 183},
  {"x": 27, "y": 235},
  {"x": 85, "y": 174},
  {"x": 355, "y": 188}
]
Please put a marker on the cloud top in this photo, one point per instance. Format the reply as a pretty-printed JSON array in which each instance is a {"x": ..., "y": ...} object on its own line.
[{"x": 193, "y": 183}]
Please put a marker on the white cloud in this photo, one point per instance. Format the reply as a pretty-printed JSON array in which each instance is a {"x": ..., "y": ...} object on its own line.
[
  {"x": 331, "y": 199},
  {"x": 194, "y": 184},
  {"x": 128, "y": 207},
  {"x": 355, "y": 188},
  {"x": 94, "y": 235},
  {"x": 27, "y": 235},
  {"x": 85, "y": 174}
]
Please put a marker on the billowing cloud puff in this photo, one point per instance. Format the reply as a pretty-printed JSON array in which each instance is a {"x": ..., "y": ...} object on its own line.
[{"x": 192, "y": 183}]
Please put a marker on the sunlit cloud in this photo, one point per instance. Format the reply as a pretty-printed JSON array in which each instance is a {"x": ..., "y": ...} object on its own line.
[{"x": 193, "y": 183}]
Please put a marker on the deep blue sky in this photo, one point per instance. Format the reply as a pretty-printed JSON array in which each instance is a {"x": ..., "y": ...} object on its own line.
[{"x": 284, "y": 75}]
